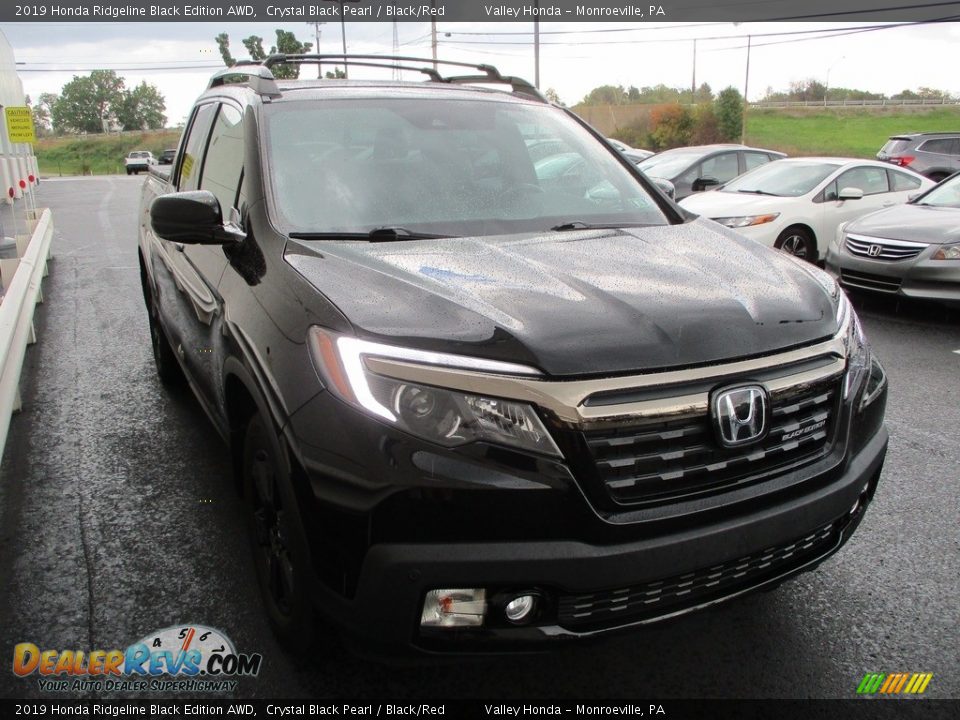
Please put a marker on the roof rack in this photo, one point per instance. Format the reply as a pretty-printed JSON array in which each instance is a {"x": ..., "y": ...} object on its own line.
[
  {"x": 261, "y": 80},
  {"x": 257, "y": 77}
]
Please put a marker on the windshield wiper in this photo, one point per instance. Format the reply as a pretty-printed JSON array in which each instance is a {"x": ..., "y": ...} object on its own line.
[
  {"x": 759, "y": 192},
  {"x": 383, "y": 234},
  {"x": 580, "y": 225}
]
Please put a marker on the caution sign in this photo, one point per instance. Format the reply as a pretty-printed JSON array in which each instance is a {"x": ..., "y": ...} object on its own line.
[{"x": 19, "y": 125}]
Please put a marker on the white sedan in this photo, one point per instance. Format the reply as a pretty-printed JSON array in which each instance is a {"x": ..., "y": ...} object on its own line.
[{"x": 796, "y": 204}]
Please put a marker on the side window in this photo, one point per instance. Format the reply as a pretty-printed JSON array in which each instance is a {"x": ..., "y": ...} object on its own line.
[
  {"x": 754, "y": 159},
  {"x": 871, "y": 180},
  {"x": 943, "y": 146},
  {"x": 189, "y": 171},
  {"x": 901, "y": 181},
  {"x": 223, "y": 163},
  {"x": 723, "y": 167}
]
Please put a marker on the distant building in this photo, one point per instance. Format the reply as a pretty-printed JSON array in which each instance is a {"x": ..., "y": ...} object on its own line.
[{"x": 17, "y": 161}]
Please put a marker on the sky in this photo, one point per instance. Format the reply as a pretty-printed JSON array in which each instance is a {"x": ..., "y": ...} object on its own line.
[{"x": 574, "y": 58}]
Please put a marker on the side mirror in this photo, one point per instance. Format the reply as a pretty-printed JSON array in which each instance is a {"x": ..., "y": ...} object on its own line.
[
  {"x": 913, "y": 196},
  {"x": 192, "y": 218},
  {"x": 666, "y": 187},
  {"x": 850, "y": 193},
  {"x": 702, "y": 183}
]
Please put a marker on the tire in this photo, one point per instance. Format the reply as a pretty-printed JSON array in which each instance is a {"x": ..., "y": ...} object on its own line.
[
  {"x": 278, "y": 542},
  {"x": 129, "y": 171},
  {"x": 168, "y": 367},
  {"x": 798, "y": 242}
]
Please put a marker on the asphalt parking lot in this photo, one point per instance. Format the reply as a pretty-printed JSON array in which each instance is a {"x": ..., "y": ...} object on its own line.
[{"x": 117, "y": 518}]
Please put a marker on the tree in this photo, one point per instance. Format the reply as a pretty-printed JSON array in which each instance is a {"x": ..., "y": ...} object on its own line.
[
  {"x": 552, "y": 96},
  {"x": 729, "y": 112},
  {"x": 337, "y": 74},
  {"x": 223, "y": 44},
  {"x": 142, "y": 109},
  {"x": 672, "y": 126},
  {"x": 287, "y": 44},
  {"x": 89, "y": 103},
  {"x": 40, "y": 114},
  {"x": 606, "y": 95}
]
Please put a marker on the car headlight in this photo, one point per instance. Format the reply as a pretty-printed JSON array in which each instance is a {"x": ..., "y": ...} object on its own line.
[
  {"x": 855, "y": 342},
  {"x": 746, "y": 220},
  {"x": 839, "y": 237},
  {"x": 443, "y": 416},
  {"x": 947, "y": 252}
]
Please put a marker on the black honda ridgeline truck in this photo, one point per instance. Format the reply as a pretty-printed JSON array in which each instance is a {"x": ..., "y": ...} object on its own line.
[{"x": 485, "y": 387}]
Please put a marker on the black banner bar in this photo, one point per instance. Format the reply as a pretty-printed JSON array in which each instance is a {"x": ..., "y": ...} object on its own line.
[
  {"x": 855, "y": 709},
  {"x": 477, "y": 10}
]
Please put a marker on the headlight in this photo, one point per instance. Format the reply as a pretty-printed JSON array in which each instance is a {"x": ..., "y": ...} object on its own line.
[
  {"x": 858, "y": 351},
  {"x": 746, "y": 220},
  {"x": 447, "y": 417},
  {"x": 947, "y": 252},
  {"x": 839, "y": 237},
  {"x": 876, "y": 382}
]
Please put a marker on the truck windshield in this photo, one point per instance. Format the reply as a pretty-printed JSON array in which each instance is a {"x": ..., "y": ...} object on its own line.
[{"x": 443, "y": 167}]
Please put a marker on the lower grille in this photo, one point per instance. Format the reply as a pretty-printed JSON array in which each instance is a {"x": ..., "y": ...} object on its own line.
[
  {"x": 883, "y": 283},
  {"x": 880, "y": 249},
  {"x": 663, "y": 597},
  {"x": 664, "y": 461}
]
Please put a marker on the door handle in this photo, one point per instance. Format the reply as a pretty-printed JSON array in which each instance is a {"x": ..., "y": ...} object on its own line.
[{"x": 889, "y": 203}]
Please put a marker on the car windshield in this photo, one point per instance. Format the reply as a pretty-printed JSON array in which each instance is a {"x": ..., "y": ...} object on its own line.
[
  {"x": 783, "y": 178},
  {"x": 946, "y": 194},
  {"x": 895, "y": 145},
  {"x": 671, "y": 163},
  {"x": 433, "y": 166}
]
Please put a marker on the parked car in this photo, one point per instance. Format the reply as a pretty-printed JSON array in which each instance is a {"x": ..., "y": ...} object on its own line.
[
  {"x": 168, "y": 155},
  {"x": 138, "y": 160},
  {"x": 911, "y": 250},
  {"x": 934, "y": 154},
  {"x": 796, "y": 204},
  {"x": 473, "y": 410},
  {"x": 704, "y": 167},
  {"x": 636, "y": 155}
]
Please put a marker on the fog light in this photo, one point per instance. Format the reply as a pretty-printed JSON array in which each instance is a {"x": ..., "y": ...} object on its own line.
[
  {"x": 520, "y": 609},
  {"x": 464, "y": 607}
]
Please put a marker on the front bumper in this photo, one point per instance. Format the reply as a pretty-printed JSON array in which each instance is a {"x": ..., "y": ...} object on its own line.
[
  {"x": 394, "y": 578},
  {"x": 919, "y": 278}
]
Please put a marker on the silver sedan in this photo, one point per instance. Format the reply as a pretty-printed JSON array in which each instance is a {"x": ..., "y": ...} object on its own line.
[{"x": 911, "y": 250}]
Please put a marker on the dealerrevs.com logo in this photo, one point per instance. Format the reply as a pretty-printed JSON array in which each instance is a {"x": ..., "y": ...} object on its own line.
[{"x": 182, "y": 658}]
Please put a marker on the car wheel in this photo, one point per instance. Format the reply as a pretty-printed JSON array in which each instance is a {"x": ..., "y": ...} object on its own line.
[
  {"x": 128, "y": 172},
  {"x": 168, "y": 369},
  {"x": 279, "y": 545},
  {"x": 798, "y": 242}
]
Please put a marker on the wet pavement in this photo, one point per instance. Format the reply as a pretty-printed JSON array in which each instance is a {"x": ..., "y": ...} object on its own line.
[{"x": 118, "y": 518}]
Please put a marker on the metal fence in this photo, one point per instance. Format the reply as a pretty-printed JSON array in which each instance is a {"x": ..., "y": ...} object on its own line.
[{"x": 853, "y": 103}]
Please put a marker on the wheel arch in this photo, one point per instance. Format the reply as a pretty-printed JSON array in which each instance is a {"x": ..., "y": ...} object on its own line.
[{"x": 806, "y": 228}]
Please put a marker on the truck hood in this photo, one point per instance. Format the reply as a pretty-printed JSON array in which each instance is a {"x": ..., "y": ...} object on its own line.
[
  {"x": 576, "y": 303},
  {"x": 916, "y": 223}
]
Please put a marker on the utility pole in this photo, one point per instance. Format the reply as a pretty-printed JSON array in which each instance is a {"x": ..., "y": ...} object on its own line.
[
  {"x": 693, "y": 83},
  {"x": 746, "y": 88},
  {"x": 343, "y": 37},
  {"x": 433, "y": 33},
  {"x": 536, "y": 45},
  {"x": 316, "y": 48}
]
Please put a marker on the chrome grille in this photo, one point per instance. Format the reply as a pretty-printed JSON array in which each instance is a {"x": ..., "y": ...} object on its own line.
[
  {"x": 662, "y": 597},
  {"x": 882, "y": 283},
  {"x": 883, "y": 248},
  {"x": 663, "y": 461}
]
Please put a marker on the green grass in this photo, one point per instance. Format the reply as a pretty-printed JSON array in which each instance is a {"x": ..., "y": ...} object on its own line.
[
  {"x": 98, "y": 154},
  {"x": 859, "y": 133}
]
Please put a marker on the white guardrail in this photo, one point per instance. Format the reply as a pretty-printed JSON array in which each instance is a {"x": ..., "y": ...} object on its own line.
[{"x": 16, "y": 317}]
